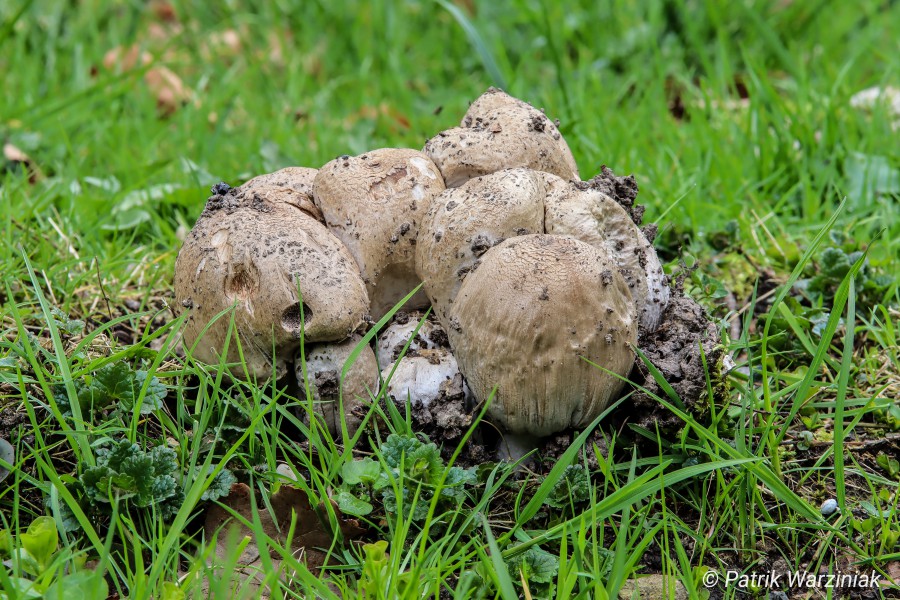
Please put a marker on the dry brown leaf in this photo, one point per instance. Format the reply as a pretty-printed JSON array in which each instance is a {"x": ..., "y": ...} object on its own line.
[
  {"x": 164, "y": 11},
  {"x": 312, "y": 531},
  {"x": 893, "y": 570},
  {"x": 168, "y": 89},
  {"x": 160, "y": 33},
  {"x": 126, "y": 58},
  {"x": 14, "y": 155}
]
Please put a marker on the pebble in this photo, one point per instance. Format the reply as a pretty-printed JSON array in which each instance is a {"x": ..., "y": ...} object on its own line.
[{"x": 829, "y": 507}]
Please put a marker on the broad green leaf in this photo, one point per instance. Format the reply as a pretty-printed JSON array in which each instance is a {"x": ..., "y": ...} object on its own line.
[
  {"x": 360, "y": 471},
  {"x": 83, "y": 585},
  {"x": 41, "y": 540},
  {"x": 351, "y": 505}
]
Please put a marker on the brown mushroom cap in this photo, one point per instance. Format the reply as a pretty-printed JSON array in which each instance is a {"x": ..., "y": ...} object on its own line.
[
  {"x": 251, "y": 249},
  {"x": 374, "y": 203},
  {"x": 299, "y": 180},
  {"x": 324, "y": 364},
  {"x": 586, "y": 213},
  {"x": 499, "y": 132},
  {"x": 465, "y": 222},
  {"x": 525, "y": 318}
]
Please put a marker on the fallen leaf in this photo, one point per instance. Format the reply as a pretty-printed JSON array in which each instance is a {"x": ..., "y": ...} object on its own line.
[
  {"x": 126, "y": 59},
  {"x": 312, "y": 537},
  {"x": 168, "y": 89},
  {"x": 893, "y": 571},
  {"x": 652, "y": 587},
  {"x": 164, "y": 11},
  {"x": 16, "y": 157}
]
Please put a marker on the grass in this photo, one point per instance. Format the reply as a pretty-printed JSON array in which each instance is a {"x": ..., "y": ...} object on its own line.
[{"x": 735, "y": 118}]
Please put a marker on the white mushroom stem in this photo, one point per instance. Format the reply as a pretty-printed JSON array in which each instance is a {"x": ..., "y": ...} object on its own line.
[
  {"x": 514, "y": 446},
  {"x": 324, "y": 366}
]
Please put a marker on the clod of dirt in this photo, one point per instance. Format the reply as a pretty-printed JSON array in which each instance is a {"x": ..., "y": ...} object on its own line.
[
  {"x": 685, "y": 338},
  {"x": 253, "y": 249},
  {"x": 374, "y": 204},
  {"x": 534, "y": 351},
  {"x": 467, "y": 221},
  {"x": 623, "y": 190},
  {"x": 500, "y": 132},
  {"x": 324, "y": 364},
  {"x": 446, "y": 422}
]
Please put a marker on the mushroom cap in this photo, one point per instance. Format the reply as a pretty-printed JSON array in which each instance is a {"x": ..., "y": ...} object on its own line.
[
  {"x": 465, "y": 222},
  {"x": 392, "y": 340},
  {"x": 499, "y": 132},
  {"x": 324, "y": 364},
  {"x": 525, "y": 318},
  {"x": 374, "y": 203},
  {"x": 586, "y": 213},
  {"x": 299, "y": 180},
  {"x": 425, "y": 376},
  {"x": 251, "y": 249}
]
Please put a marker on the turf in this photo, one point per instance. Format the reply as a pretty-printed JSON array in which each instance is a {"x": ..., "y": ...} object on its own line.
[{"x": 735, "y": 118}]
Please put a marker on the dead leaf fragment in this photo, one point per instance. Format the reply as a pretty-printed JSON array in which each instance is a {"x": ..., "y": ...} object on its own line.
[
  {"x": 168, "y": 89},
  {"x": 126, "y": 59},
  {"x": 312, "y": 536},
  {"x": 16, "y": 157}
]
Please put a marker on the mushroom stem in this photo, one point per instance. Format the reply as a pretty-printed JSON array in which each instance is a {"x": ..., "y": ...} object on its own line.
[{"x": 513, "y": 446}]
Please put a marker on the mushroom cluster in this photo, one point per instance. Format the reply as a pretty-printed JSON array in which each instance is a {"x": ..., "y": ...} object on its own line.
[{"x": 539, "y": 283}]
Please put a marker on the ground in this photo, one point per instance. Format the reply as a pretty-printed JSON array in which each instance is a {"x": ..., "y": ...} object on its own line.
[{"x": 774, "y": 189}]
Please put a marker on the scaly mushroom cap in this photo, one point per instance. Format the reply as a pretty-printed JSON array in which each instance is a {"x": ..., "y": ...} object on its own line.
[
  {"x": 465, "y": 222},
  {"x": 324, "y": 363},
  {"x": 584, "y": 212},
  {"x": 297, "y": 179},
  {"x": 425, "y": 376},
  {"x": 525, "y": 318},
  {"x": 374, "y": 203},
  {"x": 500, "y": 132},
  {"x": 393, "y": 339},
  {"x": 252, "y": 249}
]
